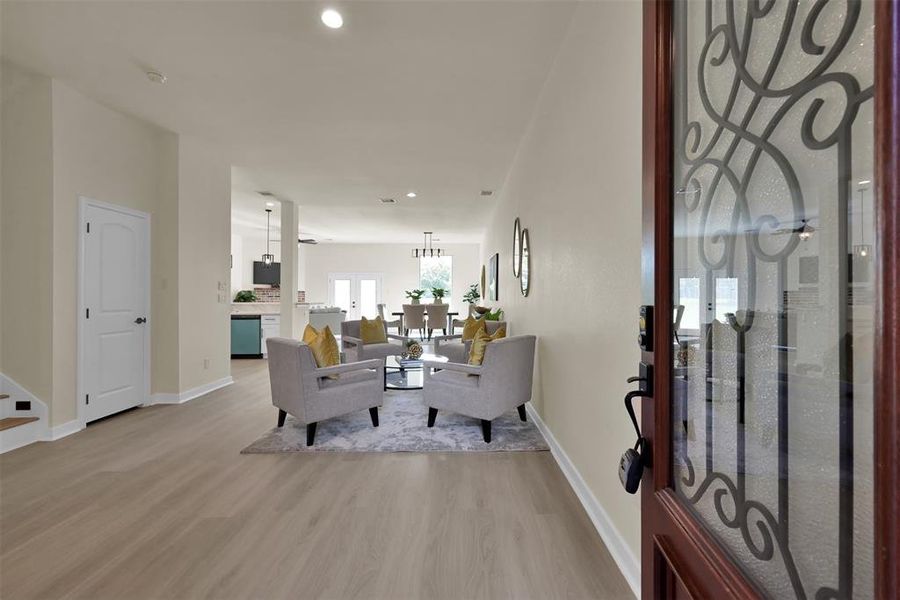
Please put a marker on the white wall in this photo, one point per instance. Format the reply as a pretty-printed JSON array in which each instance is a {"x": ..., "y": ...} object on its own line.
[
  {"x": 401, "y": 272},
  {"x": 26, "y": 196},
  {"x": 576, "y": 185},
  {"x": 59, "y": 145},
  {"x": 204, "y": 240},
  {"x": 108, "y": 156}
]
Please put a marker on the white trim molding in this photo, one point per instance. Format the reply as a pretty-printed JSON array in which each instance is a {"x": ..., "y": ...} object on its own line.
[
  {"x": 200, "y": 390},
  {"x": 64, "y": 430},
  {"x": 621, "y": 552},
  {"x": 29, "y": 433}
]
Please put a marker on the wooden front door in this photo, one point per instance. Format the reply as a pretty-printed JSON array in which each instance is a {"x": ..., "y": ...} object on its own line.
[{"x": 770, "y": 260}]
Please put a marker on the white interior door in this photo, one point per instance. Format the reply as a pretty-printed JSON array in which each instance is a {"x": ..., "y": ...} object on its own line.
[
  {"x": 357, "y": 293},
  {"x": 115, "y": 305}
]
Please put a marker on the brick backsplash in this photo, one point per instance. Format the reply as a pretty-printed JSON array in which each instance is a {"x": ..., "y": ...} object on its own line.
[{"x": 270, "y": 294}]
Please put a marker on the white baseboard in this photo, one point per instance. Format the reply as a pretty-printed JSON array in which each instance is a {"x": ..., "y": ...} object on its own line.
[
  {"x": 628, "y": 563},
  {"x": 64, "y": 430},
  {"x": 200, "y": 390}
]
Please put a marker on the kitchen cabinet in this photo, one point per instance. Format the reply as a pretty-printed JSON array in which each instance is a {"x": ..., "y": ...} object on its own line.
[{"x": 271, "y": 327}]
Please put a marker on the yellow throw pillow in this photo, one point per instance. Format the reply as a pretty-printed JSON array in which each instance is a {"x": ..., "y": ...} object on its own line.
[
  {"x": 325, "y": 348},
  {"x": 372, "y": 332},
  {"x": 309, "y": 334},
  {"x": 479, "y": 344},
  {"x": 471, "y": 327}
]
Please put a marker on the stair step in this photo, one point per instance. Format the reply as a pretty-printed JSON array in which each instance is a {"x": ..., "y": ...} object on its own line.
[{"x": 10, "y": 422}]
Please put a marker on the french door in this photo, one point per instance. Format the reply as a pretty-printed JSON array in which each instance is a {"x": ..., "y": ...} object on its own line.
[
  {"x": 771, "y": 142},
  {"x": 359, "y": 294}
]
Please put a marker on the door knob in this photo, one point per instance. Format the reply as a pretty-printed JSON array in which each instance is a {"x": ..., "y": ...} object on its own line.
[{"x": 140, "y": 320}]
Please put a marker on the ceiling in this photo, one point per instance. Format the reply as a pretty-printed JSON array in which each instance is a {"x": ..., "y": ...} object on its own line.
[{"x": 429, "y": 96}]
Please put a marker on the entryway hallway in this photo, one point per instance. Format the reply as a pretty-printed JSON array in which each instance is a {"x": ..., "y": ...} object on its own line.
[{"x": 159, "y": 503}]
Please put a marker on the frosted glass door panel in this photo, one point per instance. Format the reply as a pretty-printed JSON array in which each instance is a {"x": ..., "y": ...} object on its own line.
[
  {"x": 368, "y": 298},
  {"x": 773, "y": 248},
  {"x": 341, "y": 294}
]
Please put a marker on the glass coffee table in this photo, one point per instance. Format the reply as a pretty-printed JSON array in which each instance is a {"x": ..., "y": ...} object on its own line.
[{"x": 406, "y": 374}]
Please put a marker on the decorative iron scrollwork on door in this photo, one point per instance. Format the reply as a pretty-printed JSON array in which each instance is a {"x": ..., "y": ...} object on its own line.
[{"x": 771, "y": 105}]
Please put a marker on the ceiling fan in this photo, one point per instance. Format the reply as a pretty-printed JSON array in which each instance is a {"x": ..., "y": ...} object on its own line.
[{"x": 802, "y": 228}]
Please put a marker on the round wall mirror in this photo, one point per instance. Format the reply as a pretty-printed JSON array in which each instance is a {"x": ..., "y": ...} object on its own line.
[
  {"x": 525, "y": 264},
  {"x": 517, "y": 248}
]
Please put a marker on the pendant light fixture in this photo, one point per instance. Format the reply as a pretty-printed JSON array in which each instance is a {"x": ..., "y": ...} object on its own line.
[
  {"x": 268, "y": 258},
  {"x": 427, "y": 250},
  {"x": 862, "y": 249}
]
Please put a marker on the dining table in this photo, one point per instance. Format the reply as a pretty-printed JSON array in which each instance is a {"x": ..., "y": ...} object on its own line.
[{"x": 450, "y": 317}]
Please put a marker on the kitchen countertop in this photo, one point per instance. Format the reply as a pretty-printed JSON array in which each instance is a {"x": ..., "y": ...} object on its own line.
[{"x": 261, "y": 308}]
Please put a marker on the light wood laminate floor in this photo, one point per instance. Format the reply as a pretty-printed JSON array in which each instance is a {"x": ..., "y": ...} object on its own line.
[{"x": 158, "y": 503}]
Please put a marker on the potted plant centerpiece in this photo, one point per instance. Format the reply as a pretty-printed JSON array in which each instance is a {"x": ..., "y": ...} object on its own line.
[
  {"x": 415, "y": 295},
  {"x": 471, "y": 298},
  {"x": 245, "y": 296},
  {"x": 438, "y": 294}
]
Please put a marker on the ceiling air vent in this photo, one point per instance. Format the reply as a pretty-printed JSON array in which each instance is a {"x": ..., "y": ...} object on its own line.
[
  {"x": 388, "y": 201},
  {"x": 265, "y": 193},
  {"x": 487, "y": 193}
]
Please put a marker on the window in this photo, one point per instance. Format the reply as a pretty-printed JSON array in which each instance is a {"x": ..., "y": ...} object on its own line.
[
  {"x": 689, "y": 297},
  {"x": 435, "y": 272}
]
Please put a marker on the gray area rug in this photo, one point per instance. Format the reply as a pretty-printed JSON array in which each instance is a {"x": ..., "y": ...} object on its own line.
[{"x": 403, "y": 428}]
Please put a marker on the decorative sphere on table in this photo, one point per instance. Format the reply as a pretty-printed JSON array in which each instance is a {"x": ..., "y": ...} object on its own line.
[{"x": 414, "y": 350}]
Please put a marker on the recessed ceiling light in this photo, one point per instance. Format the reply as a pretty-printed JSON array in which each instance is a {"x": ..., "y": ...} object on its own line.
[
  {"x": 332, "y": 18},
  {"x": 156, "y": 77},
  {"x": 270, "y": 204},
  {"x": 410, "y": 194}
]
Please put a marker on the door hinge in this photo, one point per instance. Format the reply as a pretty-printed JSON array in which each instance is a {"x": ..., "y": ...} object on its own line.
[
  {"x": 87, "y": 313},
  {"x": 87, "y": 398},
  {"x": 88, "y": 227}
]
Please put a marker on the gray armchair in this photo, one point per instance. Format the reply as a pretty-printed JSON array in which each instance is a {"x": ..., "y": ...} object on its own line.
[
  {"x": 487, "y": 391},
  {"x": 453, "y": 346},
  {"x": 312, "y": 394},
  {"x": 355, "y": 349}
]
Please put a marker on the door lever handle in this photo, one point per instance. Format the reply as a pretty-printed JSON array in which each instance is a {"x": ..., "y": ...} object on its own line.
[
  {"x": 634, "y": 379},
  {"x": 140, "y": 320},
  {"x": 629, "y": 398}
]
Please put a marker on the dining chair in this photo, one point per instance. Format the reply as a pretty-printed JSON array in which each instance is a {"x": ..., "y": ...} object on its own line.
[
  {"x": 395, "y": 323},
  {"x": 414, "y": 318},
  {"x": 437, "y": 318}
]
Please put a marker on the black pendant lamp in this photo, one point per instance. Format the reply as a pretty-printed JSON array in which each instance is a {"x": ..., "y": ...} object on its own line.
[{"x": 268, "y": 258}]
